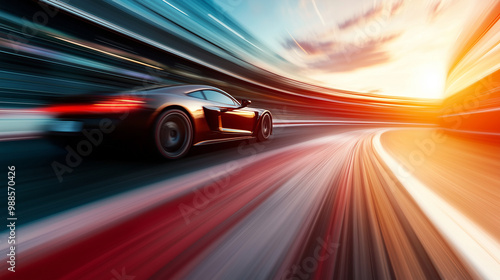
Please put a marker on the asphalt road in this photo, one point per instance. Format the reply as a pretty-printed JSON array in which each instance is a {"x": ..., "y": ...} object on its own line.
[
  {"x": 110, "y": 171},
  {"x": 327, "y": 202}
]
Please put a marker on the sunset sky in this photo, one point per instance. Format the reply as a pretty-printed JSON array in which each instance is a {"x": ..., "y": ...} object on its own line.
[{"x": 388, "y": 47}]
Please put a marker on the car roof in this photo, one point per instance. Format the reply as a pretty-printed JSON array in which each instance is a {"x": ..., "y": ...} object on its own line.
[{"x": 181, "y": 89}]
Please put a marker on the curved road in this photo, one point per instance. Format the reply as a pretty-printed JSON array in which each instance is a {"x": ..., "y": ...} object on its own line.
[{"x": 328, "y": 202}]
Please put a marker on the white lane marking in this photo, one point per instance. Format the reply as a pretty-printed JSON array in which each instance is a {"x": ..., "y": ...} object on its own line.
[
  {"x": 475, "y": 246},
  {"x": 290, "y": 123}
]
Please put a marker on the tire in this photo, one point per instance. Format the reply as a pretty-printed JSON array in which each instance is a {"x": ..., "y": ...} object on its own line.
[
  {"x": 265, "y": 128},
  {"x": 173, "y": 134}
]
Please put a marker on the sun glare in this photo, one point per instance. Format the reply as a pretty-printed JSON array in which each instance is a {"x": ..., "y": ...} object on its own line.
[{"x": 431, "y": 82}]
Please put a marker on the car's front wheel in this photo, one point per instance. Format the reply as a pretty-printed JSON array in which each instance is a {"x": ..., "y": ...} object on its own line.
[
  {"x": 173, "y": 134},
  {"x": 265, "y": 127}
]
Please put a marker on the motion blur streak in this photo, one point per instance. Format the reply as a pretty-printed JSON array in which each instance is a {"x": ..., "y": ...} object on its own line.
[
  {"x": 353, "y": 184},
  {"x": 335, "y": 207},
  {"x": 478, "y": 248}
]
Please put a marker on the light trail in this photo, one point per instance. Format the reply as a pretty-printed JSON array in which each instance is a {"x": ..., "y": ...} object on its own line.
[
  {"x": 476, "y": 246},
  {"x": 318, "y": 13},
  {"x": 108, "y": 53},
  {"x": 107, "y": 24},
  {"x": 177, "y": 9},
  {"x": 297, "y": 43},
  {"x": 261, "y": 216},
  {"x": 233, "y": 31}
]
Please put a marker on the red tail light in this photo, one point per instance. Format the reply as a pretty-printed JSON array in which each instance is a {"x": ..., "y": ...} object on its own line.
[
  {"x": 112, "y": 105},
  {"x": 120, "y": 103}
]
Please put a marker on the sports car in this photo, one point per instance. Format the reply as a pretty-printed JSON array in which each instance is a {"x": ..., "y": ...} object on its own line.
[{"x": 168, "y": 120}]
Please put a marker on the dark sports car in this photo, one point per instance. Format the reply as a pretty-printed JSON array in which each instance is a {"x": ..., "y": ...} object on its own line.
[{"x": 167, "y": 119}]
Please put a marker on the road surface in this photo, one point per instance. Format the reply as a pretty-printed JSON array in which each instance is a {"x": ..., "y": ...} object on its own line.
[{"x": 320, "y": 202}]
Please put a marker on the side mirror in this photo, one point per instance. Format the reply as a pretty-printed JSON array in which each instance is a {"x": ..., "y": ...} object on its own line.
[{"x": 245, "y": 103}]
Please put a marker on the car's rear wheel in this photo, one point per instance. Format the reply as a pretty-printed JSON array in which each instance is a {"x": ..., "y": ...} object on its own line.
[
  {"x": 173, "y": 134},
  {"x": 265, "y": 128}
]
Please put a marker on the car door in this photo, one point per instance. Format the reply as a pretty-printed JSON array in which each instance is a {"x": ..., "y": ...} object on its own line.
[{"x": 230, "y": 117}]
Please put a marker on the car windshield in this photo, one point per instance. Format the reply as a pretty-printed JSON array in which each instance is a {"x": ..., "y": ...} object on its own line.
[
  {"x": 219, "y": 97},
  {"x": 197, "y": 94}
]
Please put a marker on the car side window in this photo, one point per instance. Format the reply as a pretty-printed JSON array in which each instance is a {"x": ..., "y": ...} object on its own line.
[
  {"x": 216, "y": 96},
  {"x": 197, "y": 94}
]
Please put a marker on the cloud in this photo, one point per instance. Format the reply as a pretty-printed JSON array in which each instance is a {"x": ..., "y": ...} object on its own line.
[
  {"x": 367, "y": 16},
  {"x": 379, "y": 10},
  {"x": 397, "y": 7},
  {"x": 311, "y": 47},
  {"x": 350, "y": 45},
  {"x": 439, "y": 7},
  {"x": 337, "y": 56}
]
